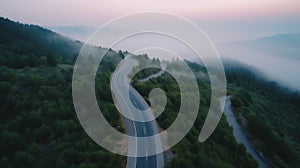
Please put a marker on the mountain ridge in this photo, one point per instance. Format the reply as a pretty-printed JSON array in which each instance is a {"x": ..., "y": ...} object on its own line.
[{"x": 15, "y": 35}]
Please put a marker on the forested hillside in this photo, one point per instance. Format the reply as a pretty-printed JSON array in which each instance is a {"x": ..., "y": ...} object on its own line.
[
  {"x": 29, "y": 45},
  {"x": 220, "y": 150},
  {"x": 39, "y": 127},
  {"x": 269, "y": 113}
]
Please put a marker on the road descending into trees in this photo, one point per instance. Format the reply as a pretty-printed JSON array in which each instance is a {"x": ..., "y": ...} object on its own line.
[
  {"x": 120, "y": 88},
  {"x": 239, "y": 134}
]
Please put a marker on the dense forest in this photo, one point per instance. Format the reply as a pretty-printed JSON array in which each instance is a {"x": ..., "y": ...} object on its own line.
[
  {"x": 27, "y": 45},
  {"x": 39, "y": 126},
  {"x": 220, "y": 150},
  {"x": 269, "y": 113}
]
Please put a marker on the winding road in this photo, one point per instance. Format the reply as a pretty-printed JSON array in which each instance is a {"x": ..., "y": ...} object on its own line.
[
  {"x": 126, "y": 94},
  {"x": 239, "y": 134},
  {"x": 121, "y": 88}
]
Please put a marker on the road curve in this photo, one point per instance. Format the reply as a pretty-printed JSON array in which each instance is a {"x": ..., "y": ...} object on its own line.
[
  {"x": 119, "y": 86},
  {"x": 239, "y": 133}
]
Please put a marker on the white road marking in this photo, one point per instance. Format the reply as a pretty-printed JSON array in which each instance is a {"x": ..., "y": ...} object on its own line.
[{"x": 144, "y": 129}]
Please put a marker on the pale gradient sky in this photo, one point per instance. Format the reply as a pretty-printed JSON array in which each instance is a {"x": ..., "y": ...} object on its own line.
[
  {"x": 87, "y": 12},
  {"x": 219, "y": 18}
]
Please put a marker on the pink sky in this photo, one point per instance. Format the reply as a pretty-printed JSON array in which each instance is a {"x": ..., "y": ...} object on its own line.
[
  {"x": 91, "y": 12},
  {"x": 222, "y": 20}
]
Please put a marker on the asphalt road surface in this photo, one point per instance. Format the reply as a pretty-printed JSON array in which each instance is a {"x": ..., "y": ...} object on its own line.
[
  {"x": 239, "y": 133},
  {"x": 119, "y": 86}
]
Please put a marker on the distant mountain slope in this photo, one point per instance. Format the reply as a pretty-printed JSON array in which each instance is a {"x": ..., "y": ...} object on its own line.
[
  {"x": 76, "y": 32},
  {"x": 291, "y": 39},
  {"x": 284, "y": 44},
  {"x": 24, "y": 38}
]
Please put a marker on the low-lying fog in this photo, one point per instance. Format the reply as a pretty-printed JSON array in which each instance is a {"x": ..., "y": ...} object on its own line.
[{"x": 277, "y": 56}]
